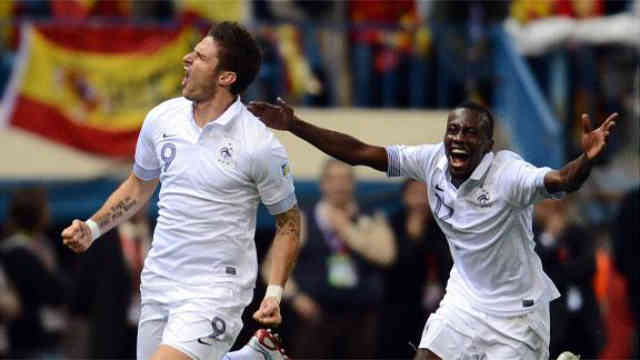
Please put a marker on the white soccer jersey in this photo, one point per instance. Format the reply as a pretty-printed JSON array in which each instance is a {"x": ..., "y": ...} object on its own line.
[
  {"x": 488, "y": 224},
  {"x": 212, "y": 180}
]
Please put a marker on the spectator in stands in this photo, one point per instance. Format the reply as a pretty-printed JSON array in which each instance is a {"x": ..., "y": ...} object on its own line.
[
  {"x": 567, "y": 251},
  {"x": 299, "y": 49},
  {"x": 135, "y": 240},
  {"x": 9, "y": 310},
  {"x": 463, "y": 49},
  {"x": 37, "y": 285},
  {"x": 6, "y": 56},
  {"x": 612, "y": 293},
  {"x": 625, "y": 236},
  {"x": 336, "y": 287},
  {"x": 381, "y": 44},
  {"x": 269, "y": 82},
  {"x": 5, "y": 69},
  {"x": 54, "y": 317},
  {"x": 415, "y": 282},
  {"x": 108, "y": 294}
]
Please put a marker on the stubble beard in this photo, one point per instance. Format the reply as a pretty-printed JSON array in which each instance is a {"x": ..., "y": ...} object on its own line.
[{"x": 208, "y": 92}]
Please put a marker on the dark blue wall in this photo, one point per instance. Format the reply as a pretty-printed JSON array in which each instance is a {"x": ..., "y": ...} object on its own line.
[{"x": 80, "y": 199}]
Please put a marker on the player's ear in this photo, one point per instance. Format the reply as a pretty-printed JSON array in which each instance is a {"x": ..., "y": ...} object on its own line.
[{"x": 226, "y": 78}]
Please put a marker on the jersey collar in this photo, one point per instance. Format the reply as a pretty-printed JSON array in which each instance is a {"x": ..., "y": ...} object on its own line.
[
  {"x": 482, "y": 168},
  {"x": 477, "y": 173},
  {"x": 230, "y": 113},
  {"x": 226, "y": 117}
]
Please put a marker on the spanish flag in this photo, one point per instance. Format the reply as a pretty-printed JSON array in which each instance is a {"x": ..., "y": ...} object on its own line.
[
  {"x": 90, "y": 86},
  {"x": 214, "y": 11},
  {"x": 81, "y": 9}
]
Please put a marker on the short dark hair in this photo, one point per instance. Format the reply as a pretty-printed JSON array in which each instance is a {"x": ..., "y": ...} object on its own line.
[
  {"x": 239, "y": 52},
  {"x": 28, "y": 207},
  {"x": 482, "y": 111}
]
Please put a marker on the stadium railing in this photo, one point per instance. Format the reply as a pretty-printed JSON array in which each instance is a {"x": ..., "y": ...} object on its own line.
[{"x": 521, "y": 107}]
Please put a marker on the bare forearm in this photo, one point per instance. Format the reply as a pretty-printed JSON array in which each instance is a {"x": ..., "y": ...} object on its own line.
[
  {"x": 285, "y": 252},
  {"x": 285, "y": 246},
  {"x": 123, "y": 203},
  {"x": 571, "y": 177},
  {"x": 341, "y": 146}
]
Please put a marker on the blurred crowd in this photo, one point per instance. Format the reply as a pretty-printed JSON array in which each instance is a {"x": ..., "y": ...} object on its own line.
[
  {"x": 337, "y": 53},
  {"x": 366, "y": 279},
  {"x": 370, "y": 53}
]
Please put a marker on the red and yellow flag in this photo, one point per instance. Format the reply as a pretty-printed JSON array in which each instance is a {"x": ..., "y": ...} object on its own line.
[
  {"x": 91, "y": 86},
  {"x": 214, "y": 11},
  {"x": 81, "y": 9}
]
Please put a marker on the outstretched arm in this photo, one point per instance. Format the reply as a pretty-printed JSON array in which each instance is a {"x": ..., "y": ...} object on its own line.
[
  {"x": 571, "y": 177},
  {"x": 340, "y": 146}
]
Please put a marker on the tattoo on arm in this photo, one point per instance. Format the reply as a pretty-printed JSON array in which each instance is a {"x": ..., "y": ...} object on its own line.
[
  {"x": 288, "y": 223},
  {"x": 117, "y": 211},
  {"x": 285, "y": 245}
]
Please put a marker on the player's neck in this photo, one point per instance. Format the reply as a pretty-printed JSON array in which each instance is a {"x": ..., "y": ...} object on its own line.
[
  {"x": 457, "y": 182},
  {"x": 210, "y": 110}
]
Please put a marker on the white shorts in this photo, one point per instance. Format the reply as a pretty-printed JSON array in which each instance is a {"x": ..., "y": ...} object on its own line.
[
  {"x": 201, "y": 328},
  {"x": 460, "y": 333}
]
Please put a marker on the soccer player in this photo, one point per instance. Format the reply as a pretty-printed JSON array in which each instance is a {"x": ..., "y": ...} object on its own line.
[
  {"x": 215, "y": 161},
  {"x": 496, "y": 304}
]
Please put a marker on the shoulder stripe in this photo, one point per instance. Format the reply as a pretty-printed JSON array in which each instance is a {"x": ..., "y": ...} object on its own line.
[{"x": 393, "y": 161}]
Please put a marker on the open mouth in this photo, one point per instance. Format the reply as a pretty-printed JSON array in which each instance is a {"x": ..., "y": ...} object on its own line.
[
  {"x": 458, "y": 157},
  {"x": 186, "y": 77}
]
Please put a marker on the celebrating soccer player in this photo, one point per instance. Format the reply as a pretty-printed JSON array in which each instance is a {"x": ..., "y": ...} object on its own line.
[
  {"x": 497, "y": 298},
  {"x": 215, "y": 162}
]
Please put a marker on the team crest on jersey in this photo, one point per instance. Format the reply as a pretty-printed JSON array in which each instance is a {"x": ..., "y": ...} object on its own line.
[
  {"x": 483, "y": 198},
  {"x": 225, "y": 154}
]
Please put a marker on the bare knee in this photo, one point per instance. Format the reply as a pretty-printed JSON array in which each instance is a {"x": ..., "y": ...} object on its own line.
[
  {"x": 165, "y": 352},
  {"x": 425, "y": 354}
]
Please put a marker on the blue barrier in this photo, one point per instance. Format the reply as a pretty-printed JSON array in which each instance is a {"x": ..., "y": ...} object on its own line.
[
  {"x": 520, "y": 106},
  {"x": 80, "y": 199}
]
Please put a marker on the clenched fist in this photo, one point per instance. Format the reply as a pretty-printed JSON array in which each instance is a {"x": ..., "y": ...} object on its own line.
[
  {"x": 77, "y": 237},
  {"x": 269, "y": 312}
]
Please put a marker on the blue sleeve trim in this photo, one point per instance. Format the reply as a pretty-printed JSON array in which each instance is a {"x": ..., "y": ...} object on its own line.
[
  {"x": 393, "y": 161},
  {"x": 283, "y": 205},
  {"x": 145, "y": 174}
]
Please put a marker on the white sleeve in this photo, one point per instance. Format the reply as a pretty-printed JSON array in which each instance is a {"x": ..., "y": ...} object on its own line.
[
  {"x": 524, "y": 183},
  {"x": 409, "y": 161},
  {"x": 146, "y": 165},
  {"x": 272, "y": 174}
]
